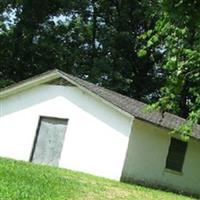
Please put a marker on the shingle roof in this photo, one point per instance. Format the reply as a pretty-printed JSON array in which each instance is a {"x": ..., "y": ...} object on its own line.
[
  {"x": 127, "y": 104},
  {"x": 134, "y": 107}
]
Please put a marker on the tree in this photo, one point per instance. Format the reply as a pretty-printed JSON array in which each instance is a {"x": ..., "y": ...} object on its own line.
[
  {"x": 96, "y": 40},
  {"x": 177, "y": 36}
]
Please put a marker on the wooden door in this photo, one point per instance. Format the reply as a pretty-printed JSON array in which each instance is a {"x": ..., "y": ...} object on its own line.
[{"x": 49, "y": 141}]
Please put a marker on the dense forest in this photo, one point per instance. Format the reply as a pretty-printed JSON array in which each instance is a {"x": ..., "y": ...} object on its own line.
[{"x": 148, "y": 50}]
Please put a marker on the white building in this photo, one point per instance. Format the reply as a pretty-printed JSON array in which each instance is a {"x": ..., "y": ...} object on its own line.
[{"x": 61, "y": 120}]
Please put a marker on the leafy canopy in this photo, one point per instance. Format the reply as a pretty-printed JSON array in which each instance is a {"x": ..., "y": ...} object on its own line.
[{"x": 177, "y": 36}]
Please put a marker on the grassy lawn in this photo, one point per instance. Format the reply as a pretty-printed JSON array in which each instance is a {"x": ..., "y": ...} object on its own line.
[{"x": 20, "y": 181}]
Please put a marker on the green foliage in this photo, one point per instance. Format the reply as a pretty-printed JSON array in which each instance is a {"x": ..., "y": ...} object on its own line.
[
  {"x": 26, "y": 181},
  {"x": 96, "y": 40},
  {"x": 142, "y": 53},
  {"x": 177, "y": 36}
]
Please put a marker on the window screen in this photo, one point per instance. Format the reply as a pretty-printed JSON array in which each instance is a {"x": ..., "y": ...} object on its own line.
[{"x": 176, "y": 155}]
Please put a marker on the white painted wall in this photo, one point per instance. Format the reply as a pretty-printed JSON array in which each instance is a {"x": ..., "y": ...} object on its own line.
[
  {"x": 146, "y": 158},
  {"x": 96, "y": 138}
]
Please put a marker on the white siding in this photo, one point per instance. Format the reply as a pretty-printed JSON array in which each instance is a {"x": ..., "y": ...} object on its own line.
[
  {"x": 96, "y": 138},
  {"x": 146, "y": 158}
]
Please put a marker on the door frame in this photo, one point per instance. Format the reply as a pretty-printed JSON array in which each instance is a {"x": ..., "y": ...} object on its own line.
[{"x": 37, "y": 132}]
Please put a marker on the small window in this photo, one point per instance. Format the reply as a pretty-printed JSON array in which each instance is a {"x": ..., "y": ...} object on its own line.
[{"x": 176, "y": 155}]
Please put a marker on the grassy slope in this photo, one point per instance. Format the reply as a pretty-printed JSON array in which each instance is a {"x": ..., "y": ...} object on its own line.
[{"x": 20, "y": 181}]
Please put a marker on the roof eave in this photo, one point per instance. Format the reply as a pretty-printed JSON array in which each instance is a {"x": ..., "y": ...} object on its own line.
[{"x": 29, "y": 83}]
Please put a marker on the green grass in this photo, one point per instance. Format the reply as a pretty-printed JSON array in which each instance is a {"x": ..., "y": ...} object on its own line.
[{"x": 20, "y": 181}]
